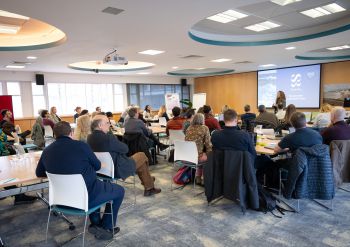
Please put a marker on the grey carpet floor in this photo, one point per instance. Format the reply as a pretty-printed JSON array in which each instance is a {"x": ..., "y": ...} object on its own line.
[{"x": 183, "y": 218}]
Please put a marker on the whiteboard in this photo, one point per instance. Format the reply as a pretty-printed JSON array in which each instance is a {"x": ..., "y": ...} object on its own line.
[{"x": 199, "y": 99}]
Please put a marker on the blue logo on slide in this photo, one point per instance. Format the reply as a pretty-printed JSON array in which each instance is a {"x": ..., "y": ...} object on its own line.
[{"x": 295, "y": 80}]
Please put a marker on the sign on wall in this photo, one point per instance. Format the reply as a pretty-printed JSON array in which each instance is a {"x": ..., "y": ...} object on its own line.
[{"x": 171, "y": 100}]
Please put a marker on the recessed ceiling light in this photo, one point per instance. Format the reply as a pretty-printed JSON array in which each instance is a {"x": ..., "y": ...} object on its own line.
[
  {"x": 284, "y": 2},
  {"x": 13, "y": 15},
  {"x": 227, "y": 16},
  {"x": 144, "y": 73},
  {"x": 175, "y": 67},
  {"x": 9, "y": 29},
  {"x": 324, "y": 10},
  {"x": 262, "y": 26},
  {"x": 31, "y": 57},
  {"x": 15, "y": 66},
  {"x": 336, "y": 48},
  {"x": 267, "y": 65},
  {"x": 151, "y": 52},
  {"x": 290, "y": 48},
  {"x": 221, "y": 60}
]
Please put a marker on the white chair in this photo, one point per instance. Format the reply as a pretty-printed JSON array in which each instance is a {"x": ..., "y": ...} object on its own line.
[
  {"x": 70, "y": 191},
  {"x": 186, "y": 154},
  {"x": 107, "y": 170},
  {"x": 48, "y": 131},
  {"x": 162, "y": 121},
  {"x": 176, "y": 135}
]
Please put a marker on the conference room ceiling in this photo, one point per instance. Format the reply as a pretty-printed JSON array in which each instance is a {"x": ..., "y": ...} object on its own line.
[{"x": 181, "y": 30}]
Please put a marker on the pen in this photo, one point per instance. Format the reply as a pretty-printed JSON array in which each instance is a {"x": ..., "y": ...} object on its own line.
[{"x": 9, "y": 180}]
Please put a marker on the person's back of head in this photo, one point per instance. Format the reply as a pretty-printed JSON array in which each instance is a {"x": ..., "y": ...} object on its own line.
[
  {"x": 206, "y": 109},
  {"x": 200, "y": 110},
  {"x": 280, "y": 106},
  {"x": 326, "y": 107},
  {"x": 132, "y": 112},
  {"x": 176, "y": 111},
  {"x": 230, "y": 117},
  {"x": 43, "y": 113},
  {"x": 224, "y": 108},
  {"x": 289, "y": 112},
  {"x": 261, "y": 109},
  {"x": 3, "y": 112},
  {"x": 247, "y": 108},
  {"x": 198, "y": 119},
  {"x": 190, "y": 113},
  {"x": 62, "y": 129},
  {"x": 298, "y": 120},
  {"x": 109, "y": 114},
  {"x": 337, "y": 114}
]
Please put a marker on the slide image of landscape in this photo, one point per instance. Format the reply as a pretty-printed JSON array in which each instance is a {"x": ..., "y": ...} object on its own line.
[{"x": 335, "y": 94}]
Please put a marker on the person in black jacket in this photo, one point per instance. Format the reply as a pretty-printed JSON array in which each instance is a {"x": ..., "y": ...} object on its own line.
[
  {"x": 67, "y": 156},
  {"x": 100, "y": 141}
]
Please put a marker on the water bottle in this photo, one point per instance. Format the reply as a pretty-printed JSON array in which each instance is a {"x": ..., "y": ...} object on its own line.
[{"x": 19, "y": 150}]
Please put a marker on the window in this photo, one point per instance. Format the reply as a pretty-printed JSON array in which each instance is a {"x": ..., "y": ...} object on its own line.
[
  {"x": 14, "y": 89},
  {"x": 153, "y": 94},
  {"x": 67, "y": 96},
  {"x": 118, "y": 98},
  {"x": 38, "y": 98}
]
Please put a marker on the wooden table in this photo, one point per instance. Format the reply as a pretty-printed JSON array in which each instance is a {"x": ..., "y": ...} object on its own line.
[
  {"x": 155, "y": 130},
  {"x": 265, "y": 141},
  {"x": 20, "y": 172}
]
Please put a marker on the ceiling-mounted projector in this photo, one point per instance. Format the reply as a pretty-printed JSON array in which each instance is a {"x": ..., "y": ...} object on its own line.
[{"x": 114, "y": 58}]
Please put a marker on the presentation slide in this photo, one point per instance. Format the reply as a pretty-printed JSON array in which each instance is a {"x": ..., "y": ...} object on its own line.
[{"x": 301, "y": 86}]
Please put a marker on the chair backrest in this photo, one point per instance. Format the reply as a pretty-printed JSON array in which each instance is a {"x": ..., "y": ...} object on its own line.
[
  {"x": 185, "y": 151},
  {"x": 107, "y": 164},
  {"x": 340, "y": 156},
  {"x": 176, "y": 135},
  {"x": 48, "y": 131},
  {"x": 68, "y": 190},
  {"x": 269, "y": 132},
  {"x": 162, "y": 121}
]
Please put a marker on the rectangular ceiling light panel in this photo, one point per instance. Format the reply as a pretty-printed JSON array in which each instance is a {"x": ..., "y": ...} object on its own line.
[
  {"x": 262, "y": 26},
  {"x": 227, "y": 16},
  {"x": 284, "y": 2},
  {"x": 9, "y": 29},
  {"x": 324, "y": 10}
]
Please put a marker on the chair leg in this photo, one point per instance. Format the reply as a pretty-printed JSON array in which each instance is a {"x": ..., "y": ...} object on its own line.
[
  {"x": 112, "y": 218},
  {"x": 194, "y": 179},
  {"x": 84, "y": 230},
  {"x": 134, "y": 190},
  {"x": 47, "y": 226}
]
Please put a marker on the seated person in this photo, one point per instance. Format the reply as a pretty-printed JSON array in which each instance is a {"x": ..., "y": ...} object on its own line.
[
  {"x": 162, "y": 113},
  {"x": 199, "y": 133},
  {"x": 53, "y": 115},
  {"x": 176, "y": 122},
  {"x": 230, "y": 137},
  {"x": 285, "y": 122},
  {"x": 324, "y": 118},
  {"x": 38, "y": 133},
  {"x": 9, "y": 128},
  {"x": 77, "y": 114},
  {"x": 100, "y": 141},
  {"x": 302, "y": 137},
  {"x": 339, "y": 130},
  {"x": 267, "y": 119},
  {"x": 189, "y": 116},
  {"x": 246, "y": 118},
  {"x": 46, "y": 120},
  {"x": 147, "y": 114},
  {"x": 134, "y": 125},
  {"x": 67, "y": 156},
  {"x": 280, "y": 111},
  {"x": 211, "y": 122},
  {"x": 83, "y": 128}
]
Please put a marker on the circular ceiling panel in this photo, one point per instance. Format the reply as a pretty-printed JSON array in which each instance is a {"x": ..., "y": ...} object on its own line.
[
  {"x": 20, "y": 33},
  {"x": 200, "y": 72},
  {"x": 99, "y": 66}
]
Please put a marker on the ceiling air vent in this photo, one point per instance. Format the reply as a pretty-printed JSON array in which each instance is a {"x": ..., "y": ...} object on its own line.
[
  {"x": 21, "y": 63},
  {"x": 112, "y": 11},
  {"x": 192, "y": 56}
]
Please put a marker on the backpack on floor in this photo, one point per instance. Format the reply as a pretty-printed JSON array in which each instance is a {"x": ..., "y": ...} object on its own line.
[
  {"x": 183, "y": 176},
  {"x": 268, "y": 202}
]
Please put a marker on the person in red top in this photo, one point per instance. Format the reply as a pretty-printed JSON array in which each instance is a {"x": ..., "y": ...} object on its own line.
[
  {"x": 211, "y": 122},
  {"x": 176, "y": 122}
]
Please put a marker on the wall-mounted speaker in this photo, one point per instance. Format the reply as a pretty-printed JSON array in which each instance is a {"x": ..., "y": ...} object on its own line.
[
  {"x": 183, "y": 82},
  {"x": 39, "y": 78}
]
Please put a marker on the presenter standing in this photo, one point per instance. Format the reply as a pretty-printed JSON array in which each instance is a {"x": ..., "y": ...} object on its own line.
[{"x": 280, "y": 99}]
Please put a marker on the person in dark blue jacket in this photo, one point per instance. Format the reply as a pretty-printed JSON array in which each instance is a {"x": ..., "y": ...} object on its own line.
[{"x": 67, "y": 156}]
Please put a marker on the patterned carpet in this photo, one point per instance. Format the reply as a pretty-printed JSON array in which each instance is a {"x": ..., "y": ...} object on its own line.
[{"x": 182, "y": 218}]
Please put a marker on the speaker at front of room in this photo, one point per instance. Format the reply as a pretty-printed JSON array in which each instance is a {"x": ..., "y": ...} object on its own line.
[
  {"x": 39, "y": 78},
  {"x": 183, "y": 82}
]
